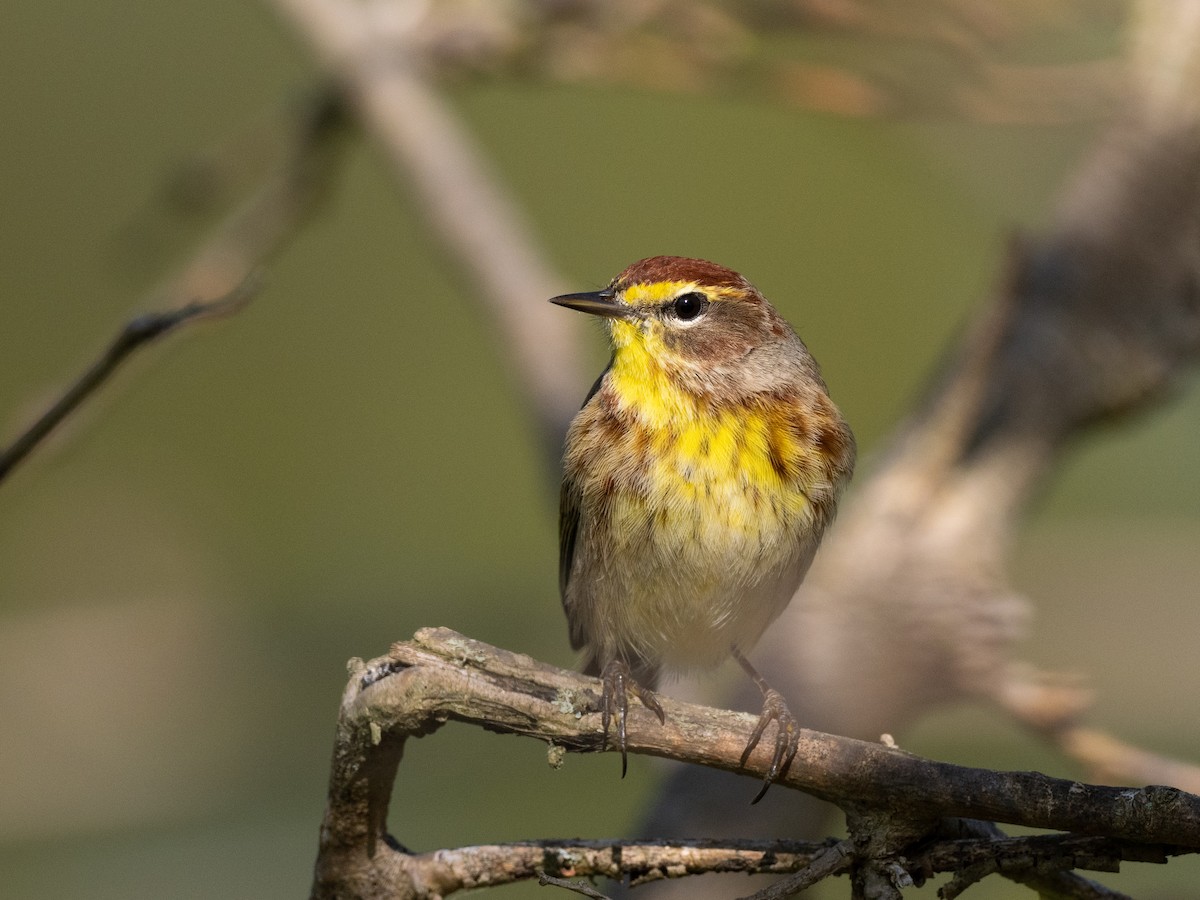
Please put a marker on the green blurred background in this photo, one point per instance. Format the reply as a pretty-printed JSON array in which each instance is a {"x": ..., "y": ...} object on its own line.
[{"x": 186, "y": 567}]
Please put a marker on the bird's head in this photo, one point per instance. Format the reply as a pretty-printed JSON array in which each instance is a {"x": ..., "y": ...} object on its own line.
[{"x": 694, "y": 319}]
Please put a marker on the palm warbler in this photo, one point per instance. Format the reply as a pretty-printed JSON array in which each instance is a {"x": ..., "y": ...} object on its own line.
[{"x": 698, "y": 479}]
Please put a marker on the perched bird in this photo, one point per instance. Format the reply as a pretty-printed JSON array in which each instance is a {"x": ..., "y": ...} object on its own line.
[{"x": 698, "y": 479}]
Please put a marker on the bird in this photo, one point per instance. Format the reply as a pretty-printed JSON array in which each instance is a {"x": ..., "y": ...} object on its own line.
[{"x": 698, "y": 479}]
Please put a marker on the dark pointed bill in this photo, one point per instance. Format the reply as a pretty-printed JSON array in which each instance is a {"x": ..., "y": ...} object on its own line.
[{"x": 598, "y": 303}]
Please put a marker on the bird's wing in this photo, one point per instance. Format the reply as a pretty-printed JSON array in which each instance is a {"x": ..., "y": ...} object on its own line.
[
  {"x": 573, "y": 594},
  {"x": 568, "y": 530}
]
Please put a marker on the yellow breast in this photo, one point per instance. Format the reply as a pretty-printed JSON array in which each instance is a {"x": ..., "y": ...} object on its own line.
[
  {"x": 711, "y": 541},
  {"x": 725, "y": 488}
]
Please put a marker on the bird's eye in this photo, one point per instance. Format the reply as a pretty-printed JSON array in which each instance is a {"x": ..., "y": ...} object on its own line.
[{"x": 688, "y": 306}]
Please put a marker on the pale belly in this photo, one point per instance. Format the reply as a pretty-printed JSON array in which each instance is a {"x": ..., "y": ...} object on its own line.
[{"x": 702, "y": 566}]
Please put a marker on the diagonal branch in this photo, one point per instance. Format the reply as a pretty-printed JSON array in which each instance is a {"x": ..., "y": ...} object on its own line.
[
  {"x": 221, "y": 277},
  {"x": 1053, "y": 707},
  {"x": 578, "y": 887},
  {"x": 136, "y": 334},
  {"x": 830, "y": 861},
  {"x": 478, "y": 222}
]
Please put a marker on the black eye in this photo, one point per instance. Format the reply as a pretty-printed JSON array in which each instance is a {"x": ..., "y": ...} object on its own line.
[{"x": 687, "y": 306}]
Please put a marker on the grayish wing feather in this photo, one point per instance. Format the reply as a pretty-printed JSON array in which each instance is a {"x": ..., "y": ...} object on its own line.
[{"x": 568, "y": 531}]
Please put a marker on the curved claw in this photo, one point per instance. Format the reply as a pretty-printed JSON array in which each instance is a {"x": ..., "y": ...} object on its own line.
[
  {"x": 614, "y": 703},
  {"x": 787, "y": 738}
]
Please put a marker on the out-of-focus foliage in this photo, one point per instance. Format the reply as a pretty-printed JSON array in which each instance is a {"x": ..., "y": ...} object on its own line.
[{"x": 1013, "y": 61}]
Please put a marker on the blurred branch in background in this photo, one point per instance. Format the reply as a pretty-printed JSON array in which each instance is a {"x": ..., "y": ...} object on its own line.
[
  {"x": 950, "y": 58},
  {"x": 137, "y": 333},
  {"x": 220, "y": 278},
  {"x": 366, "y": 47}
]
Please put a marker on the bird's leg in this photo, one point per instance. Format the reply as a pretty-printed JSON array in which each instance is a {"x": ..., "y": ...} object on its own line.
[
  {"x": 616, "y": 676},
  {"x": 787, "y": 738}
]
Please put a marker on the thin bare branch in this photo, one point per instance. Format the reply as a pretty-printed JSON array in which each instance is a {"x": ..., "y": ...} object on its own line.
[
  {"x": 1054, "y": 706},
  {"x": 579, "y": 887},
  {"x": 136, "y": 333},
  {"x": 1110, "y": 759},
  {"x": 829, "y": 861},
  {"x": 443, "y": 674},
  {"x": 641, "y": 862},
  {"x": 1041, "y": 862},
  {"x": 223, "y": 275}
]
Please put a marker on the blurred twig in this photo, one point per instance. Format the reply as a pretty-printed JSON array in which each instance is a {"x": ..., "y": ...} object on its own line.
[
  {"x": 222, "y": 276},
  {"x": 135, "y": 334},
  {"x": 1054, "y": 708}
]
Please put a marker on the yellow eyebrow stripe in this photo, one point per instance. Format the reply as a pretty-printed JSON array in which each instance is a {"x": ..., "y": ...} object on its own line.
[{"x": 655, "y": 292}]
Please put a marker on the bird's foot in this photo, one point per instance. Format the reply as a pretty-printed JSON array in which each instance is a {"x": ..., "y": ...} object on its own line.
[
  {"x": 617, "y": 678},
  {"x": 787, "y": 737}
]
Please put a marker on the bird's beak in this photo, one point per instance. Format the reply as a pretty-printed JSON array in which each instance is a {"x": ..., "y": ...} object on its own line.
[{"x": 598, "y": 303}]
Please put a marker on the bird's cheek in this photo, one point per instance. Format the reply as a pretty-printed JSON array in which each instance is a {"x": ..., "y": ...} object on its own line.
[{"x": 624, "y": 331}]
